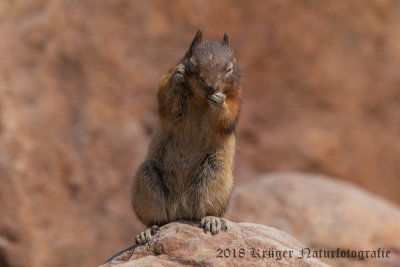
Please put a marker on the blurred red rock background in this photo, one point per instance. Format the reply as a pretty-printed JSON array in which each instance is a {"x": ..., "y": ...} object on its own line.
[{"x": 78, "y": 81}]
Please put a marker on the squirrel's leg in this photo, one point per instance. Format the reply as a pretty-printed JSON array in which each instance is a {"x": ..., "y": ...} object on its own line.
[
  {"x": 209, "y": 192},
  {"x": 172, "y": 96},
  {"x": 149, "y": 197}
]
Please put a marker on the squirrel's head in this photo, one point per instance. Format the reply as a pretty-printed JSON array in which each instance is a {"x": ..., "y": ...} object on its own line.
[{"x": 210, "y": 65}]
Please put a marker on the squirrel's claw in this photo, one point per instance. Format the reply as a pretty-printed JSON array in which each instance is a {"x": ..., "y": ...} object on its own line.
[
  {"x": 180, "y": 69},
  {"x": 213, "y": 224},
  {"x": 146, "y": 236},
  {"x": 143, "y": 237},
  {"x": 216, "y": 98},
  {"x": 178, "y": 76}
]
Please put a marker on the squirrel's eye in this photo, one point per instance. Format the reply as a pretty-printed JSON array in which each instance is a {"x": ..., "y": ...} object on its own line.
[
  {"x": 229, "y": 68},
  {"x": 229, "y": 71}
]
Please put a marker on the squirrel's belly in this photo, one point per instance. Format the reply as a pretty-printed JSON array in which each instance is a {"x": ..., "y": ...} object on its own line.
[{"x": 182, "y": 165}]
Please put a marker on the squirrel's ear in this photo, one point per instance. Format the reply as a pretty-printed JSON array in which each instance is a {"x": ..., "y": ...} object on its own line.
[
  {"x": 225, "y": 40},
  {"x": 197, "y": 39}
]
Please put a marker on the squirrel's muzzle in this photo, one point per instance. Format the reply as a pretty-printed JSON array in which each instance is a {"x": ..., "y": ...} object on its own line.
[{"x": 210, "y": 90}]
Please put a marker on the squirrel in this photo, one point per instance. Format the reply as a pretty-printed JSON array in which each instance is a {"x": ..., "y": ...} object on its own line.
[{"x": 187, "y": 173}]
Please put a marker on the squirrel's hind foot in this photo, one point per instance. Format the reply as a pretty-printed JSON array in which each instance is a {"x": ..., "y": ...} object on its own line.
[
  {"x": 213, "y": 224},
  {"x": 146, "y": 236}
]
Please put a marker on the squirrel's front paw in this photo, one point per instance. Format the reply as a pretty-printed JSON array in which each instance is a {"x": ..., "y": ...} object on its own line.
[
  {"x": 216, "y": 98},
  {"x": 178, "y": 76}
]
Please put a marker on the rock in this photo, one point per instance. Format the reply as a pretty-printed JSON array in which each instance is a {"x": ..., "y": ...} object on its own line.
[
  {"x": 185, "y": 244},
  {"x": 322, "y": 213}
]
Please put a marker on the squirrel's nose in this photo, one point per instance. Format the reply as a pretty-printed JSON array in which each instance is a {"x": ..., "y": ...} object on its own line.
[{"x": 210, "y": 89}]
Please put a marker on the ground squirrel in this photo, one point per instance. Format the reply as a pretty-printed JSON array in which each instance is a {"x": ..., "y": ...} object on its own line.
[{"x": 187, "y": 174}]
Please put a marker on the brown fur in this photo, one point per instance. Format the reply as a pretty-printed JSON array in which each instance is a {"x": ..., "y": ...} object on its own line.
[{"x": 187, "y": 173}]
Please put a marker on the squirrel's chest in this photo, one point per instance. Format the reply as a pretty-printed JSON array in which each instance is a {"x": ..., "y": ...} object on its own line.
[
  {"x": 185, "y": 146},
  {"x": 183, "y": 153}
]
